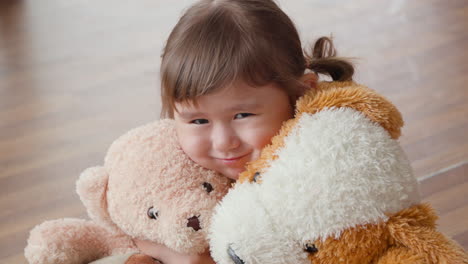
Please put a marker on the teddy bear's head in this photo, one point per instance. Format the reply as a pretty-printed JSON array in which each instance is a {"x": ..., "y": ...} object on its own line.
[
  {"x": 149, "y": 189},
  {"x": 336, "y": 166}
]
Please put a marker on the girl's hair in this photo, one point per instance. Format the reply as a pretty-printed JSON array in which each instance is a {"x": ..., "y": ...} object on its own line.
[{"x": 218, "y": 42}]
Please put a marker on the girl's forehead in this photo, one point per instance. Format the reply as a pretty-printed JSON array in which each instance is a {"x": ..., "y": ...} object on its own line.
[
  {"x": 235, "y": 97},
  {"x": 243, "y": 91}
]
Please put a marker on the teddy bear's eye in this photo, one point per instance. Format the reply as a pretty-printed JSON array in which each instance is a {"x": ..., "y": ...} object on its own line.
[
  {"x": 153, "y": 213},
  {"x": 208, "y": 187},
  {"x": 311, "y": 248}
]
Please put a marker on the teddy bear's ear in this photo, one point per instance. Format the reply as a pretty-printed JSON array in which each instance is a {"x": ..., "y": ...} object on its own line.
[
  {"x": 92, "y": 189},
  {"x": 352, "y": 95}
]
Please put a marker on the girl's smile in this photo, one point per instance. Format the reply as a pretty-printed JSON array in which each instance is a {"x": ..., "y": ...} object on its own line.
[{"x": 233, "y": 161}]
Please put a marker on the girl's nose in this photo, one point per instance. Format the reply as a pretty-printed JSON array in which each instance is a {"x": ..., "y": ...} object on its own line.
[{"x": 225, "y": 138}]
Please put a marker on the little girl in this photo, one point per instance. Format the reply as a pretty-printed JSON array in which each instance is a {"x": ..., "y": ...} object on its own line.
[{"x": 231, "y": 73}]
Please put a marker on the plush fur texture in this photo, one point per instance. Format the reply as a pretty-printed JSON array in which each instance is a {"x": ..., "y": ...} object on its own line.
[
  {"x": 71, "y": 240},
  {"x": 143, "y": 169},
  {"x": 336, "y": 182},
  {"x": 408, "y": 236}
]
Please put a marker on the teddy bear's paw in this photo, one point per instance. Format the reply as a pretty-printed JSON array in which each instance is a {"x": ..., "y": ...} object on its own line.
[
  {"x": 66, "y": 241},
  {"x": 142, "y": 259}
]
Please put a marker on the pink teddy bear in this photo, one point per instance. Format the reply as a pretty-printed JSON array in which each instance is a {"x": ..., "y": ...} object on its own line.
[{"x": 148, "y": 189}]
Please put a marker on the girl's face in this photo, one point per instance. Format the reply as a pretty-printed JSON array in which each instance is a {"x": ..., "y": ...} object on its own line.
[{"x": 230, "y": 127}]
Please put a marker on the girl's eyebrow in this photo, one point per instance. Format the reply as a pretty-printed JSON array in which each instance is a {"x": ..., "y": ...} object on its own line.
[
  {"x": 188, "y": 115},
  {"x": 243, "y": 106}
]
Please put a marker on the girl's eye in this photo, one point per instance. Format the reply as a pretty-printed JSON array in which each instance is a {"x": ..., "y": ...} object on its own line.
[
  {"x": 199, "y": 121},
  {"x": 242, "y": 115}
]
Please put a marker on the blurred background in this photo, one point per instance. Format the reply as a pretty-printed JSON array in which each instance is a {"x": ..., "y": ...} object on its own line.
[{"x": 76, "y": 74}]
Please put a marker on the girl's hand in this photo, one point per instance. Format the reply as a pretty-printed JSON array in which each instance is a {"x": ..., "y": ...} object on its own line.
[
  {"x": 169, "y": 256},
  {"x": 141, "y": 259}
]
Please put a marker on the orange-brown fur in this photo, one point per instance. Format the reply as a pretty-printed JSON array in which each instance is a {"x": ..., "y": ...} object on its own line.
[
  {"x": 409, "y": 236},
  {"x": 395, "y": 255},
  {"x": 355, "y": 246},
  {"x": 416, "y": 230},
  {"x": 358, "y": 97}
]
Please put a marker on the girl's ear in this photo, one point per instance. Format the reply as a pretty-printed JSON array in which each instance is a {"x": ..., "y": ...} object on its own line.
[{"x": 310, "y": 79}]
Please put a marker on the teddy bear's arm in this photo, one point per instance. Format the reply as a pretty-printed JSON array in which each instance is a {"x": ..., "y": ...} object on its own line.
[
  {"x": 73, "y": 241},
  {"x": 400, "y": 255},
  {"x": 416, "y": 231},
  {"x": 431, "y": 244}
]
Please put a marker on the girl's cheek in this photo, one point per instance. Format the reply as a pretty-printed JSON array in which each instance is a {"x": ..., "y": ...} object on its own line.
[
  {"x": 267, "y": 131},
  {"x": 193, "y": 143},
  {"x": 265, "y": 138},
  {"x": 259, "y": 135}
]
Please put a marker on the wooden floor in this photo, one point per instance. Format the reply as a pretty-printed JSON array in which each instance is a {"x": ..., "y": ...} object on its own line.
[{"x": 76, "y": 74}]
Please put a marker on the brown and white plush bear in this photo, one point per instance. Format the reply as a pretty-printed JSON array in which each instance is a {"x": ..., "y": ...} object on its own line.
[
  {"x": 333, "y": 187},
  {"x": 147, "y": 189}
]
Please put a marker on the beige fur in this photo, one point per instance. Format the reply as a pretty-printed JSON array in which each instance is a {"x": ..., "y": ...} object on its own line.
[{"x": 147, "y": 189}]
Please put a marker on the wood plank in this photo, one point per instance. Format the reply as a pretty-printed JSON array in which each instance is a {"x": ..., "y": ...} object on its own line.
[{"x": 447, "y": 193}]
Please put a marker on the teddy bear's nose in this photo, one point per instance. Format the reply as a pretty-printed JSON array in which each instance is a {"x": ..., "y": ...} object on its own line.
[{"x": 194, "y": 223}]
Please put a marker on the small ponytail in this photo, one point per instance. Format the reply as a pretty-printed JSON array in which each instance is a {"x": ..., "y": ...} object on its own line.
[{"x": 324, "y": 61}]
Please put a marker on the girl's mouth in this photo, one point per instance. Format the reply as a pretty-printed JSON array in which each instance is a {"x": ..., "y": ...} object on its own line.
[{"x": 232, "y": 160}]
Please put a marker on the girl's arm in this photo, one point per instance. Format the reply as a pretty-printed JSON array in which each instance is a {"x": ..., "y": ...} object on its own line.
[{"x": 169, "y": 256}]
